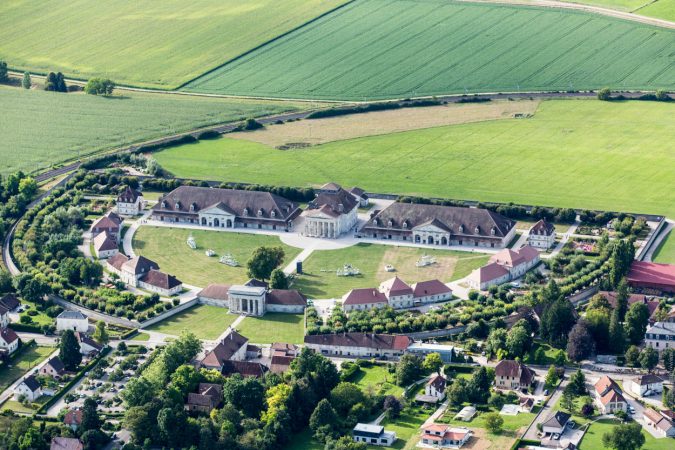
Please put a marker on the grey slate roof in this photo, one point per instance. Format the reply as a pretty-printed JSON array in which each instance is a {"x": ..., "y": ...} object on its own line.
[
  {"x": 75, "y": 315},
  {"x": 32, "y": 383},
  {"x": 333, "y": 200}
]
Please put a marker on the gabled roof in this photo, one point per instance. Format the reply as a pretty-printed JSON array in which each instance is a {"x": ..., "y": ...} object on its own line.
[
  {"x": 652, "y": 415},
  {"x": 358, "y": 192},
  {"x": 8, "y": 335},
  {"x": 430, "y": 287},
  {"x": 333, "y": 200},
  {"x": 224, "y": 350},
  {"x": 488, "y": 272},
  {"x": 280, "y": 363},
  {"x": 73, "y": 417},
  {"x": 662, "y": 275},
  {"x": 215, "y": 291},
  {"x": 288, "y": 297},
  {"x": 438, "y": 382},
  {"x": 200, "y": 399},
  {"x": 72, "y": 315},
  {"x": 140, "y": 264},
  {"x": 434, "y": 223},
  {"x": 105, "y": 222},
  {"x": 112, "y": 215},
  {"x": 118, "y": 260},
  {"x": 10, "y": 301},
  {"x": 361, "y": 340},
  {"x": 129, "y": 195},
  {"x": 161, "y": 280},
  {"x": 395, "y": 287},
  {"x": 557, "y": 420},
  {"x": 612, "y": 396},
  {"x": 84, "y": 339},
  {"x": 244, "y": 368},
  {"x": 256, "y": 283},
  {"x": 31, "y": 383},
  {"x": 542, "y": 228},
  {"x": 64, "y": 443},
  {"x": 510, "y": 368},
  {"x": 644, "y": 380},
  {"x": 605, "y": 384},
  {"x": 3, "y": 310},
  {"x": 364, "y": 296},
  {"x": 56, "y": 364},
  {"x": 104, "y": 242},
  {"x": 507, "y": 257},
  {"x": 459, "y": 220}
]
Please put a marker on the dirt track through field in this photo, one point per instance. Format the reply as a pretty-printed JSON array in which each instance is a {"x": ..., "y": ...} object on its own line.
[
  {"x": 320, "y": 131},
  {"x": 588, "y": 8}
]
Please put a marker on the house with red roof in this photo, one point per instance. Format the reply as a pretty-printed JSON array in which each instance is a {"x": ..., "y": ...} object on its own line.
[
  {"x": 9, "y": 341},
  {"x": 504, "y": 266},
  {"x": 396, "y": 293},
  {"x": 437, "y": 435},
  {"x": 609, "y": 397},
  {"x": 73, "y": 419}
]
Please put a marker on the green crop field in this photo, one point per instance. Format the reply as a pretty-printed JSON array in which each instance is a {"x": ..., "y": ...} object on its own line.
[
  {"x": 666, "y": 251},
  {"x": 373, "y": 49},
  {"x": 151, "y": 43},
  {"x": 661, "y": 9},
  {"x": 168, "y": 247},
  {"x": 572, "y": 153},
  {"x": 41, "y": 128}
]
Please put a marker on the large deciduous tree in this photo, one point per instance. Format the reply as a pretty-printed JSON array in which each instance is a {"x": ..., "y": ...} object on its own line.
[
  {"x": 580, "y": 344},
  {"x": 263, "y": 261},
  {"x": 624, "y": 437},
  {"x": 637, "y": 319}
]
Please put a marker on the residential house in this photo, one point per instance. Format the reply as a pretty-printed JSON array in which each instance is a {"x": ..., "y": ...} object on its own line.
[
  {"x": 130, "y": 270},
  {"x": 105, "y": 245},
  {"x": 110, "y": 223},
  {"x": 359, "y": 345},
  {"x": 4, "y": 317},
  {"x": 510, "y": 374},
  {"x": 53, "y": 368},
  {"x": 64, "y": 443},
  {"x": 207, "y": 397},
  {"x": 162, "y": 283},
  {"x": 440, "y": 226},
  {"x": 661, "y": 423},
  {"x": 373, "y": 435},
  {"x": 645, "y": 385},
  {"x": 526, "y": 404},
  {"x": 244, "y": 368},
  {"x": 444, "y": 436},
  {"x": 396, "y": 293},
  {"x": 29, "y": 388},
  {"x": 609, "y": 397},
  {"x": 282, "y": 355},
  {"x": 226, "y": 208},
  {"x": 232, "y": 347},
  {"x": 72, "y": 320},
  {"x": 435, "y": 387},
  {"x": 332, "y": 213},
  {"x": 652, "y": 303},
  {"x": 507, "y": 265},
  {"x": 660, "y": 336},
  {"x": 130, "y": 202},
  {"x": 73, "y": 419},
  {"x": 10, "y": 301},
  {"x": 88, "y": 346},
  {"x": 556, "y": 424},
  {"x": 541, "y": 235},
  {"x": 360, "y": 196},
  {"x": 9, "y": 341}
]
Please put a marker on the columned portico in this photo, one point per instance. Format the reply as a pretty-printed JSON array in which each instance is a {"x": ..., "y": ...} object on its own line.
[{"x": 247, "y": 300}]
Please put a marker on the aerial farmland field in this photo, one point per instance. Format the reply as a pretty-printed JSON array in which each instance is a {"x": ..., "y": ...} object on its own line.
[
  {"x": 41, "y": 128},
  {"x": 571, "y": 153},
  {"x": 158, "y": 44},
  {"x": 661, "y": 9},
  {"x": 374, "y": 49}
]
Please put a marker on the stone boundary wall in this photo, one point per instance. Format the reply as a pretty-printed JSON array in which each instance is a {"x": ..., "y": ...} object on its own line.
[{"x": 650, "y": 240}]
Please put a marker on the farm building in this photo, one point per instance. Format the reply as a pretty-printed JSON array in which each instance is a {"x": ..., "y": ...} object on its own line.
[
  {"x": 396, "y": 293},
  {"x": 359, "y": 345},
  {"x": 226, "y": 208},
  {"x": 507, "y": 265},
  {"x": 72, "y": 320},
  {"x": 332, "y": 213},
  {"x": 652, "y": 277},
  {"x": 440, "y": 225}
]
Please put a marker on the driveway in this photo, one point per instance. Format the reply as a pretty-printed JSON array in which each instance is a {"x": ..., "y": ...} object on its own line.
[{"x": 544, "y": 413}]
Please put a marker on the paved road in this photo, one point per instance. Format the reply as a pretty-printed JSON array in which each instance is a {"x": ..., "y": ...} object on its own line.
[
  {"x": 670, "y": 224},
  {"x": 9, "y": 392},
  {"x": 544, "y": 413}
]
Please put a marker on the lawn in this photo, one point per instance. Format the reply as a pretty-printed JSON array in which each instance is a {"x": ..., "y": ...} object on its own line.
[
  {"x": 206, "y": 322},
  {"x": 167, "y": 247},
  {"x": 27, "y": 358},
  {"x": 274, "y": 327},
  {"x": 141, "y": 337},
  {"x": 549, "y": 351},
  {"x": 41, "y": 128},
  {"x": 593, "y": 438},
  {"x": 375, "y": 49},
  {"x": 511, "y": 423},
  {"x": 666, "y": 251},
  {"x": 320, "y": 281},
  {"x": 376, "y": 379},
  {"x": 661, "y": 9},
  {"x": 556, "y": 158},
  {"x": 152, "y": 43},
  {"x": 527, "y": 224}
]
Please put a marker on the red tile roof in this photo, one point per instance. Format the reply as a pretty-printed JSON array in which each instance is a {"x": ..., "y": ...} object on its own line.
[
  {"x": 489, "y": 272},
  {"x": 73, "y": 417},
  {"x": 104, "y": 242},
  {"x": 161, "y": 280},
  {"x": 605, "y": 384},
  {"x": 64, "y": 443},
  {"x": 542, "y": 228},
  {"x": 364, "y": 296},
  {"x": 118, "y": 260},
  {"x": 8, "y": 335},
  {"x": 430, "y": 287},
  {"x": 649, "y": 274},
  {"x": 289, "y": 297},
  {"x": 215, "y": 291},
  {"x": 395, "y": 287}
]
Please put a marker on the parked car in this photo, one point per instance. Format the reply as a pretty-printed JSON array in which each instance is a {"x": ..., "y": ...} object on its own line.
[
  {"x": 556, "y": 436},
  {"x": 631, "y": 409},
  {"x": 572, "y": 424},
  {"x": 545, "y": 391}
]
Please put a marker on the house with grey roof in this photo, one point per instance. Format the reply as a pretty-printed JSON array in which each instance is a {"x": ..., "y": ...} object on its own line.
[
  {"x": 72, "y": 320},
  {"x": 542, "y": 235},
  {"x": 130, "y": 202},
  {"x": 226, "y": 208},
  {"x": 373, "y": 435},
  {"x": 29, "y": 388}
]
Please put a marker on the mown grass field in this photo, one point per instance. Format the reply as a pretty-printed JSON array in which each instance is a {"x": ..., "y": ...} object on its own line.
[
  {"x": 41, "y": 128},
  {"x": 273, "y": 327},
  {"x": 168, "y": 248},
  {"x": 661, "y": 9},
  {"x": 206, "y": 322},
  {"x": 572, "y": 153},
  {"x": 666, "y": 251},
  {"x": 319, "y": 279},
  {"x": 26, "y": 360},
  {"x": 151, "y": 43},
  {"x": 374, "y": 49},
  {"x": 593, "y": 438},
  {"x": 376, "y": 379}
]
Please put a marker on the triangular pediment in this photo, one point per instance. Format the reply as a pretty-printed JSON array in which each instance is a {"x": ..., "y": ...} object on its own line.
[
  {"x": 218, "y": 209},
  {"x": 430, "y": 228}
]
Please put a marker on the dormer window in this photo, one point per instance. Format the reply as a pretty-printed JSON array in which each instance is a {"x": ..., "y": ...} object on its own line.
[
  {"x": 192, "y": 207},
  {"x": 245, "y": 213},
  {"x": 260, "y": 212},
  {"x": 390, "y": 223},
  {"x": 177, "y": 206},
  {"x": 461, "y": 228},
  {"x": 476, "y": 230},
  {"x": 493, "y": 231},
  {"x": 376, "y": 221},
  {"x": 163, "y": 204},
  {"x": 405, "y": 225},
  {"x": 273, "y": 214}
]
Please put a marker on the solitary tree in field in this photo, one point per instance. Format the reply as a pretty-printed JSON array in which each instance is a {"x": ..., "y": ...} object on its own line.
[
  {"x": 604, "y": 94},
  {"x": 99, "y": 86},
  {"x": 26, "y": 83},
  {"x": 624, "y": 437},
  {"x": 263, "y": 261},
  {"x": 493, "y": 422}
]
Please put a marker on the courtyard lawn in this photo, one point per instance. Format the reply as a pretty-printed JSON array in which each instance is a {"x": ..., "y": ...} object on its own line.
[
  {"x": 27, "y": 358},
  {"x": 141, "y": 337},
  {"x": 376, "y": 379},
  {"x": 76, "y": 125},
  {"x": 320, "y": 281},
  {"x": 156, "y": 44},
  {"x": 556, "y": 158},
  {"x": 666, "y": 251},
  {"x": 206, "y": 322},
  {"x": 167, "y": 247},
  {"x": 592, "y": 440},
  {"x": 375, "y": 49},
  {"x": 274, "y": 327}
]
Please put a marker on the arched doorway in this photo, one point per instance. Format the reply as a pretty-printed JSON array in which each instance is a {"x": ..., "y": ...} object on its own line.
[
  {"x": 203, "y": 220},
  {"x": 430, "y": 240},
  {"x": 216, "y": 222},
  {"x": 444, "y": 241},
  {"x": 417, "y": 238},
  {"x": 229, "y": 223}
]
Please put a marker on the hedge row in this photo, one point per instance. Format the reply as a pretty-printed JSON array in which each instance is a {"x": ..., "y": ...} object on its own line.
[{"x": 334, "y": 112}]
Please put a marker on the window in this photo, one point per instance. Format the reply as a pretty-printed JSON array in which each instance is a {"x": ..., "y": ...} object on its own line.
[
  {"x": 273, "y": 214},
  {"x": 177, "y": 206},
  {"x": 476, "y": 230},
  {"x": 260, "y": 212}
]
